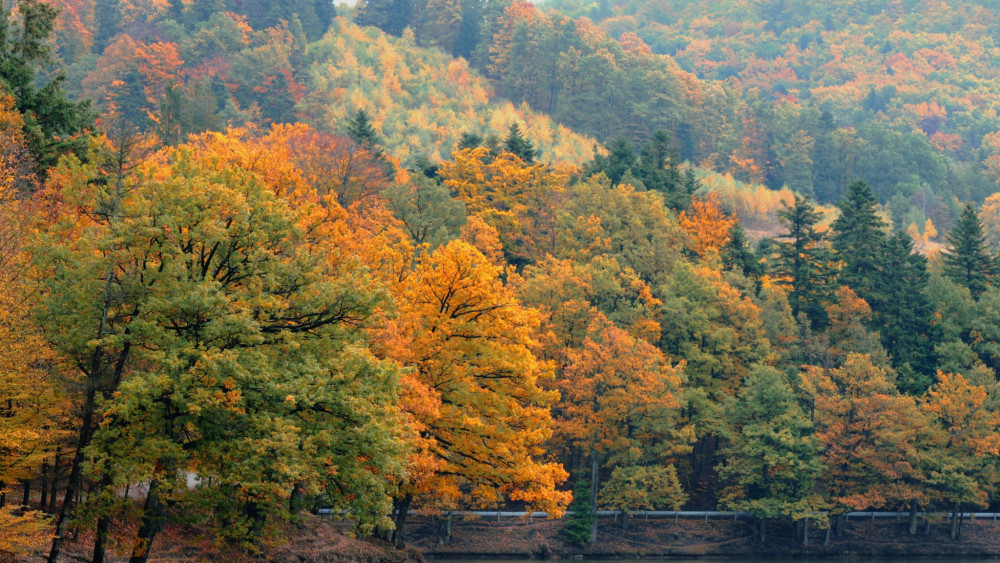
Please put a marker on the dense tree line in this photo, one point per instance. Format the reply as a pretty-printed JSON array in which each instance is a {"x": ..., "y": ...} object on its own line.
[{"x": 292, "y": 317}]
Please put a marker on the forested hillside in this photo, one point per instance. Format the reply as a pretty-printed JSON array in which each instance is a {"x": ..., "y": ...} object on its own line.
[{"x": 320, "y": 265}]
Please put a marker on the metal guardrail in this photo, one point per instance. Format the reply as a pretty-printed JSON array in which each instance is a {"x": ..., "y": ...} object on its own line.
[{"x": 706, "y": 514}]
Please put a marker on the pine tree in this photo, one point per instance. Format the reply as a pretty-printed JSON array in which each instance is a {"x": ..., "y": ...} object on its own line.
[
  {"x": 803, "y": 263},
  {"x": 659, "y": 171},
  {"x": 108, "y": 16},
  {"x": 737, "y": 255},
  {"x": 516, "y": 143},
  {"x": 966, "y": 258},
  {"x": 361, "y": 131},
  {"x": 859, "y": 242},
  {"x": 904, "y": 317},
  {"x": 469, "y": 140},
  {"x": 52, "y": 123},
  {"x": 579, "y": 522}
]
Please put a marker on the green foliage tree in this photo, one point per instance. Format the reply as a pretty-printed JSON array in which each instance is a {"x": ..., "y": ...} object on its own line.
[
  {"x": 582, "y": 514},
  {"x": 803, "y": 263},
  {"x": 966, "y": 258},
  {"x": 904, "y": 318},
  {"x": 859, "y": 242},
  {"x": 737, "y": 255},
  {"x": 361, "y": 131},
  {"x": 53, "y": 125},
  {"x": 517, "y": 144},
  {"x": 772, "y": 457},
  {"x": 429, "y": 214}
]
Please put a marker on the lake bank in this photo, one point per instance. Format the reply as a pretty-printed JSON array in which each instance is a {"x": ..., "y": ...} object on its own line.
[{"x": 665, "y": 538}]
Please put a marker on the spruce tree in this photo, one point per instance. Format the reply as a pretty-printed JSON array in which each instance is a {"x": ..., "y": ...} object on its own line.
[
  {"x": 966, "y": 258},
  {"x": 361, "y": 131},
  {"x": 516, "y": 143},
  {"x": 582, "y": 514},
  {"x": 803, "y": 263},
  {"x": 659, "y": 171},
  {"x": 469, "y": 140},
  {"x": 52, "y": 123},
  {"x": 737, "y": 255},
  {"x": 859, "y": 242},
  {"x": 904, "y": 316},
  {"x": 108, "y": 17}
]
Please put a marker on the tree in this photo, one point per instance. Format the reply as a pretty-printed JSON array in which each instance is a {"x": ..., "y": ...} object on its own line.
[
  {"x": 737, "y": 255},
  {"x": 208, "y": 321},
  {"x": 904, "y": 319},
  {"x": 859, "y": 243},
  {"x": 30, "y": 409},
  {"x": 803, "y": 263},
  {"x": 871, "y": 437},
  {"x": 772, "y": 458},
  {"x": 427, "y": 211},
  {"x": 516, "y": 144},
  {"x": 966, "y": 258},
  {"x": 621, "y": 408},
  {"x": 361, "y": 131},
  {"x": 476, "y": 409},
  {"x": 963, "y": 458},
  {"x": 53, "y": 125},
  {"x": 708, "y": 225},
  {"x": 581, "y": 519}
]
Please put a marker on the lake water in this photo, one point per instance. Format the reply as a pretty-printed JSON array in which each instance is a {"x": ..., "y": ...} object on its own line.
[{"x": 761, "y": 560}]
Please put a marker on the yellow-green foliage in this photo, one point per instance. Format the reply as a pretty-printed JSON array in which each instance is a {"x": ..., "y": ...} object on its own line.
[
  {"x": 755, "y": 205},
  {"x": 420, "y": 100}
]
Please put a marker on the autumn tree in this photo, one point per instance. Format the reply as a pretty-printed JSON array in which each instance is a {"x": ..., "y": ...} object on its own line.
[
  {"x": 621, "y": 409},
  {"x": 708, "y": 225},
  {"x": 472, "y": 391},
  {"x": 30, "y": 409},
  {"x": 962, "y": 459},
  {"x": 871, "y": 437},
  {"x": 519, "y": 200},
  {"x": 200, "y": 300}
]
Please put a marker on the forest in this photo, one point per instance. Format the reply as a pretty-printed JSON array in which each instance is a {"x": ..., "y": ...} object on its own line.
[{"x": 258, "y": 259}]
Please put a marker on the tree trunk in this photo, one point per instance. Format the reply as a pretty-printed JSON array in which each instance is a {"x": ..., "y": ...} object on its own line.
[
  {"x": 296, "y": 501},
  {"x": 805, "y": 532},
  {"x": 75, "y": 474},
  {"x": 763, "y": 529},
  {"x": 54, "y": 483},
  {"x": 912, "y": 528},
  {"x": 961, "y": 520},
  {"x": 101, "y": 538},
  {"x": 152, "y": 522},
  {"x": 401, "y": 508},
  {"x": 954, "y": 522},
  {"x": 444, "y": 529},
  {"x": 826, "y": 538},
  {"x": 3, "y": 494},
  {"x": 44, "y": 486},
  {"x": 624, "y": 520},
  {"x": 103, "y": 524},
  {"x": 594, "y": 487},
  {"x": 27, "y": 493},
  {"x": 840, "y": 525}
]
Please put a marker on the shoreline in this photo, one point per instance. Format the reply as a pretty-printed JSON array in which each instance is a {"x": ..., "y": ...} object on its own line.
[{"x": 694, "y": 539}]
